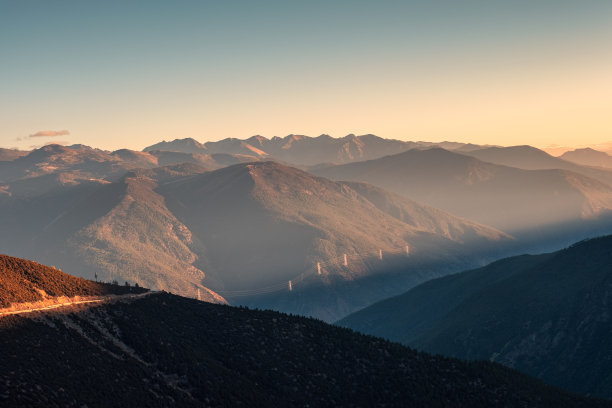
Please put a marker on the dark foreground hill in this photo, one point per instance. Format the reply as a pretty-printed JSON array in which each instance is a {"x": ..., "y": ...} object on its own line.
[
  {"x": 164, "y": 350},
  {"x": 548, "y": 315}
]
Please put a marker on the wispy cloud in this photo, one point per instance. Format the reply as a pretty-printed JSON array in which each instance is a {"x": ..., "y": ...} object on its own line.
[{"x": 50, "y": 133}]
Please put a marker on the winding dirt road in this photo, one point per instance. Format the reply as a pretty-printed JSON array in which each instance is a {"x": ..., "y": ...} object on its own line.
[{"x": 107, "y": 298}]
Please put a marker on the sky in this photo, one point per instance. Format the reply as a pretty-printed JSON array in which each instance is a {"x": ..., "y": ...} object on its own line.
[{"x": 127, "y": 74}]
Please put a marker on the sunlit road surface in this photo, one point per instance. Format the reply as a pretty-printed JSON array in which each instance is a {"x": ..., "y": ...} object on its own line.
[{"x": 76, "y": 302}]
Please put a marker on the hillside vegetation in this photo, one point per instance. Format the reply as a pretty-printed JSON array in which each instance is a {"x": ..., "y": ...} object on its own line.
[
  {"x": 241, "y": 228},
  {"x": 26, "y": 281},
  {"x": 170, "y": 351},
  {"x": 547, "y": 315}
]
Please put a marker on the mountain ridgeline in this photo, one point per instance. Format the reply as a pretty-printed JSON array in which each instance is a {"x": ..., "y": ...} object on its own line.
[
  {"x": 547, "y": 315},
  {"x": 588, "y": 157},
  {"x": 303, "y": 150},
  {"x": 163, "y": 350},
  {"x": 514, "y": 200},
  {"x": 234, "y": 221},
  {"x": 265, "y": 223},
  {"x": 243, "y": 231}
]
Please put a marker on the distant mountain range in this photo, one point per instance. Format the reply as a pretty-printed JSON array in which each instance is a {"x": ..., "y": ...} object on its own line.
[
  {"x": 588, "y": 157},
  {"x": 54, "y": 166},
  {"x": 530, "y": 158},
  {"x": 224, "y": 220},
  {"x": 548, "y": 315},
  {"x": 164, "y": 350},
  {"x": 512, "y": 199},
  {"x": 243, "y": 229},
  {"x": 304, "y": 150}
]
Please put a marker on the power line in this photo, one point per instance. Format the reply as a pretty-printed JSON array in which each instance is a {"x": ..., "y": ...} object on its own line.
[{"x": 342, "y": 261}]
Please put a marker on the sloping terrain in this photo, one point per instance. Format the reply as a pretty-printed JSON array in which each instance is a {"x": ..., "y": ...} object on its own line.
[
  {"x": 263, "y": 224},
  {"x": 245, "y": 230},
  {"x": 26, "y": 281},
  {"x": 141, "y": 241},
  {"x": 117, "y": 231},
  {"x": 588, "y": 157},
  {"x": 164, "y": 350},
  {"x": 59, "y": 167},
  {"x": 209, "y": 161},
  {"x": 547, "y": 315},
  {"x": 511, "y": 199},
  {"x": 56, "y": 158},
  {"x": 187, "y": 145},
  {"x": 267, "y": 208},
  {"x": 530, "y": 158},
  {"x": 11, "y": 154}
]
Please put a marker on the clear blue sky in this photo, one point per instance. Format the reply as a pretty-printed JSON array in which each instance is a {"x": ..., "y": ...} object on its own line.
[{"x": 130, "y": 73}]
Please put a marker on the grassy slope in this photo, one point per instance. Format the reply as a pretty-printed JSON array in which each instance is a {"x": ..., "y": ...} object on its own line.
[{"x": 22, "y": 281}]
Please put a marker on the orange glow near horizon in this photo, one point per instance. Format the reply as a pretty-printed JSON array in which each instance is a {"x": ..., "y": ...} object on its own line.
[{"x": 502, "y": 74}]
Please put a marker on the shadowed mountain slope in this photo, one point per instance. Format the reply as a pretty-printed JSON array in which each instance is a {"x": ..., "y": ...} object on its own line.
[
  {"x": 244, "y": 230},
  {"x": 138, "y": 239},
  {"x": 264, "y": 223},
  {"x": 547, "y": 315},
  {"x": 505, "y": 197},
  {"x": 163, "y": 350},
  {"x": 118, "y": 231}
]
